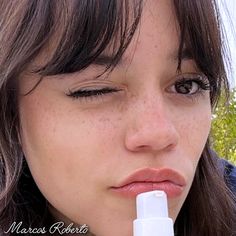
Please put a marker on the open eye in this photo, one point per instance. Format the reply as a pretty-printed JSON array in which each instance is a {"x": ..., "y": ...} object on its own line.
[
  {"x": 188, "y": 87},
  {"x": 190, "y": 84}
]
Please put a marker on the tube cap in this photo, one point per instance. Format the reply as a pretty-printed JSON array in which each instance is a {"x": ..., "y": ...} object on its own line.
[
  {"x": 152, "y": 204},
  {"x": 152, "y": 215}
]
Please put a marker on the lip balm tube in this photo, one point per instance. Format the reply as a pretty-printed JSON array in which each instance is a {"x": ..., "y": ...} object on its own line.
[{"x": 152, "y": 215}]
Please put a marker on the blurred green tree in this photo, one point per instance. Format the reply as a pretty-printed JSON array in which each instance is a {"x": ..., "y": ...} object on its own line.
[{"x": 223, "y": 133}]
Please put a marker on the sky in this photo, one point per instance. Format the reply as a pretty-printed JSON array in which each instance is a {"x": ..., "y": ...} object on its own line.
[{"x": 228, "y": 13}]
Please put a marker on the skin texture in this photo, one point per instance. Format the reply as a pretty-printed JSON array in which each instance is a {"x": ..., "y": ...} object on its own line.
[{"x": 78, "y": 148}]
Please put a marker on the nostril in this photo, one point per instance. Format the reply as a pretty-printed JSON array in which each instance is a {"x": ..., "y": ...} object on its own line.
[
  {"x": 142, "y": 147},
  {"x": 171, "y": 146},
  {"x": 147, "y": 147}
]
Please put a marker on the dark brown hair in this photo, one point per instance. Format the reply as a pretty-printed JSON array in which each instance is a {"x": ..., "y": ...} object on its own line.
[{"x": 84, "y": 29}]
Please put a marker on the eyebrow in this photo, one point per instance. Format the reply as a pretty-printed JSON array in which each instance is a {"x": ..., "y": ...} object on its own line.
[{"x": 106, "y": 60}]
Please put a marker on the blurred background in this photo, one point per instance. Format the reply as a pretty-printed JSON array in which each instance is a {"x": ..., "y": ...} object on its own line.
[{"x": 224, "y": 116}]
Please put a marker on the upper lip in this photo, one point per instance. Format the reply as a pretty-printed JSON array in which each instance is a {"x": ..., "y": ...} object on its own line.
[{"x": 153, "y": 175}]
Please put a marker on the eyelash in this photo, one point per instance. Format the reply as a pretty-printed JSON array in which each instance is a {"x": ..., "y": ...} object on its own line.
[
  {"x": 202, "y": 82},
  {"x": 90, "y": 94}
]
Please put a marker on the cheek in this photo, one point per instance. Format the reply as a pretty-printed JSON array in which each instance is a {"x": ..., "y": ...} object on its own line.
[
  {"x": 62, "y": 144},
  {"x": 194, "y": 130}
]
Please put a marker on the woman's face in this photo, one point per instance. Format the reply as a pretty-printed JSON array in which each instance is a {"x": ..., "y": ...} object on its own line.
[{"x": 81, "y": 149}]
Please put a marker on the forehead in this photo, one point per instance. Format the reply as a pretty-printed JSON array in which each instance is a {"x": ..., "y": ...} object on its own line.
[{"x": 158, "y": 30}]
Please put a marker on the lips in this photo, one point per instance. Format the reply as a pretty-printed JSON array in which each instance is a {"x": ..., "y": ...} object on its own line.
[{"x": 150, "y": 179}]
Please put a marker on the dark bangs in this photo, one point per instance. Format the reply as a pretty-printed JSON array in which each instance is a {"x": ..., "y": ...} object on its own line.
[
  {"x": 200, "y": 29},
  {"x": 73, "y": 33},
  {"x": 82, "y": 30}
]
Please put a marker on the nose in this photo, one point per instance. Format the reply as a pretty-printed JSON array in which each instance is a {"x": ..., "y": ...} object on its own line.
[{"x": 150, "y": 126}]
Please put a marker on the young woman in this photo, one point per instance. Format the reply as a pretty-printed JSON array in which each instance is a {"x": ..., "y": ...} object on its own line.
[{"x": 102, "y": 100}]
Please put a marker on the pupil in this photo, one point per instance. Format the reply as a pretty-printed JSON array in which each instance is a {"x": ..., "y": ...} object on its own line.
[{"x": 184, "y": 88}]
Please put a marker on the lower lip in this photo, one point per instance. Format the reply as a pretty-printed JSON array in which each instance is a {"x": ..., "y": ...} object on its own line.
[{"x": 132, "y": 190}]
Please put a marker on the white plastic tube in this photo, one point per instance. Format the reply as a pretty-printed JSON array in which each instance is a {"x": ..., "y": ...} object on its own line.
[{"x": 152, "y": 215}]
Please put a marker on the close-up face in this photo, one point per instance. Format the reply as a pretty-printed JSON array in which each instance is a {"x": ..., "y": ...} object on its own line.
[{"x": 93, "y": 143}]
